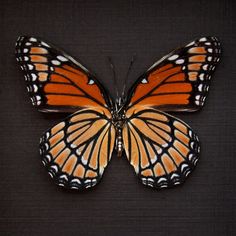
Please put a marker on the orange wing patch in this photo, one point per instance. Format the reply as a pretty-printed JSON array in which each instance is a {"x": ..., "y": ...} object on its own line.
[
  {"x": 160, "y": 159},
  {"x": 55, "y": 81},
  {"x": 154, "y": 79},
  {"x": 180, "y": 81},
  {"x": 81, "y": 80},
  {"x": 77, "y": 150}
]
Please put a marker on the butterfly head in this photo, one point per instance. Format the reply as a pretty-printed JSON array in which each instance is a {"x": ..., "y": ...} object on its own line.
[{"x": 118, "y": 114}]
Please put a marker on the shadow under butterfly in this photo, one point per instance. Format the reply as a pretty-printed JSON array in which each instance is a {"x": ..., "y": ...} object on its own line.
[{"x": 162, "y": 149}]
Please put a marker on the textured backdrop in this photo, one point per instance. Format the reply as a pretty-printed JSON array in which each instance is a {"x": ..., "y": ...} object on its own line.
[{"x": 92, "y": 30}]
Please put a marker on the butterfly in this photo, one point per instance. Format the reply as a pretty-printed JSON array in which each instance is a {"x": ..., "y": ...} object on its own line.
[{"x": 162, "y": 149}]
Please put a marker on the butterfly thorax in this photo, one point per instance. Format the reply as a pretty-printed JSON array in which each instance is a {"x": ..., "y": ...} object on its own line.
[{"x": 118, "y": 120}]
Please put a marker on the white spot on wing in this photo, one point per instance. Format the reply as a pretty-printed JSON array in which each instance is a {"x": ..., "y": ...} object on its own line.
[
  {"x": 45, "y": 44},
  {"x": 51, "y": 175},
  {"x": 63, "y": 177},
  {"x": 183, "y": 167},
  {"x": 150, "y": 180},
  {"x": 61, "y": 58},
  {"x": 30, "y": 67},
  {"x": 34, "y": 77},
  {"x": 187, "y": 173},
  {"x": 38, "y": 97},
  {"x": 91, "y": 81},
  {"x": 209, "y": 58},
  {"x": 201, "y": 76},
  {"x": 33, "y": 39},
  {"x": 144, "y": 81},
  {"x": 174, "y": 175},
  {"x": 56, "y": 62},
  {"x": 162, "y": 179},
  {"x": 74, "y": 187},
  {"x": 48, "y": 157},
  {"x": 200, "y": 87},
  {"x": 77, "y": 181},
  {"x": 180, "y": 61},
  {"x": 35, "y": 88},
  {"x": 165, "y": 145},
  {"x": 154, "y": 159},
  {"x": 203, "y": 40},
  {"x": 159, "y": 151},
  {"x": 173, "y": 57},
  {"x": 47, "y": 135},
  {"x": 94, "y": 181},
  {"x": 205, "y": 67},
  {"x": 73, "y": 145},
  {"x": 84, "y": 161},
  {"x": 190, "y": 132},
  {"x": 54, "y": 167}
]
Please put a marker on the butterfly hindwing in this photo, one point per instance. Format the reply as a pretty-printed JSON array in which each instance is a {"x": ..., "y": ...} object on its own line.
[
  {"x": 162, "y": 149},
  {"x": 55, "y": 81},
  {"x": 77, "y": 150},
  {"x": 179, "y": 81}
]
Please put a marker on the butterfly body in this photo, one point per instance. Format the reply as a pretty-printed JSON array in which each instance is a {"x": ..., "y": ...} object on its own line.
[
  {"x": 118, "y": 121},
  {"x": 161, "y": 148}
]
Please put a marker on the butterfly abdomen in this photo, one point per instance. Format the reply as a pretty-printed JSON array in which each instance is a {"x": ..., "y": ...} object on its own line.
[
  {"x": 118, "y": 120},
  {"x": 119, "y": 142}
]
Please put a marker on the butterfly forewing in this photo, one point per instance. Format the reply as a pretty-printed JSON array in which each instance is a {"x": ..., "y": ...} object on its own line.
[
  {"x": 77, "y": 150},
  {"x": 179, "y": 81},
  {"x": 55, "y": 81}
]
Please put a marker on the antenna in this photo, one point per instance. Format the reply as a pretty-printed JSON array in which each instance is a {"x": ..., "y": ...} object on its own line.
[
  {"x": 114, "y": 76},
  {"x": 127, "y": 75}
]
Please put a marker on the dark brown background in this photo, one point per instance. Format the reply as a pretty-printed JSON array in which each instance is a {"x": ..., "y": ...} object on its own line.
[{"x": 92, "y": 30}]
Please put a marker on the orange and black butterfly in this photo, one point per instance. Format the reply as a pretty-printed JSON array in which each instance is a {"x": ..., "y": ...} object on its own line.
[{"x": 162, "y": 149}]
